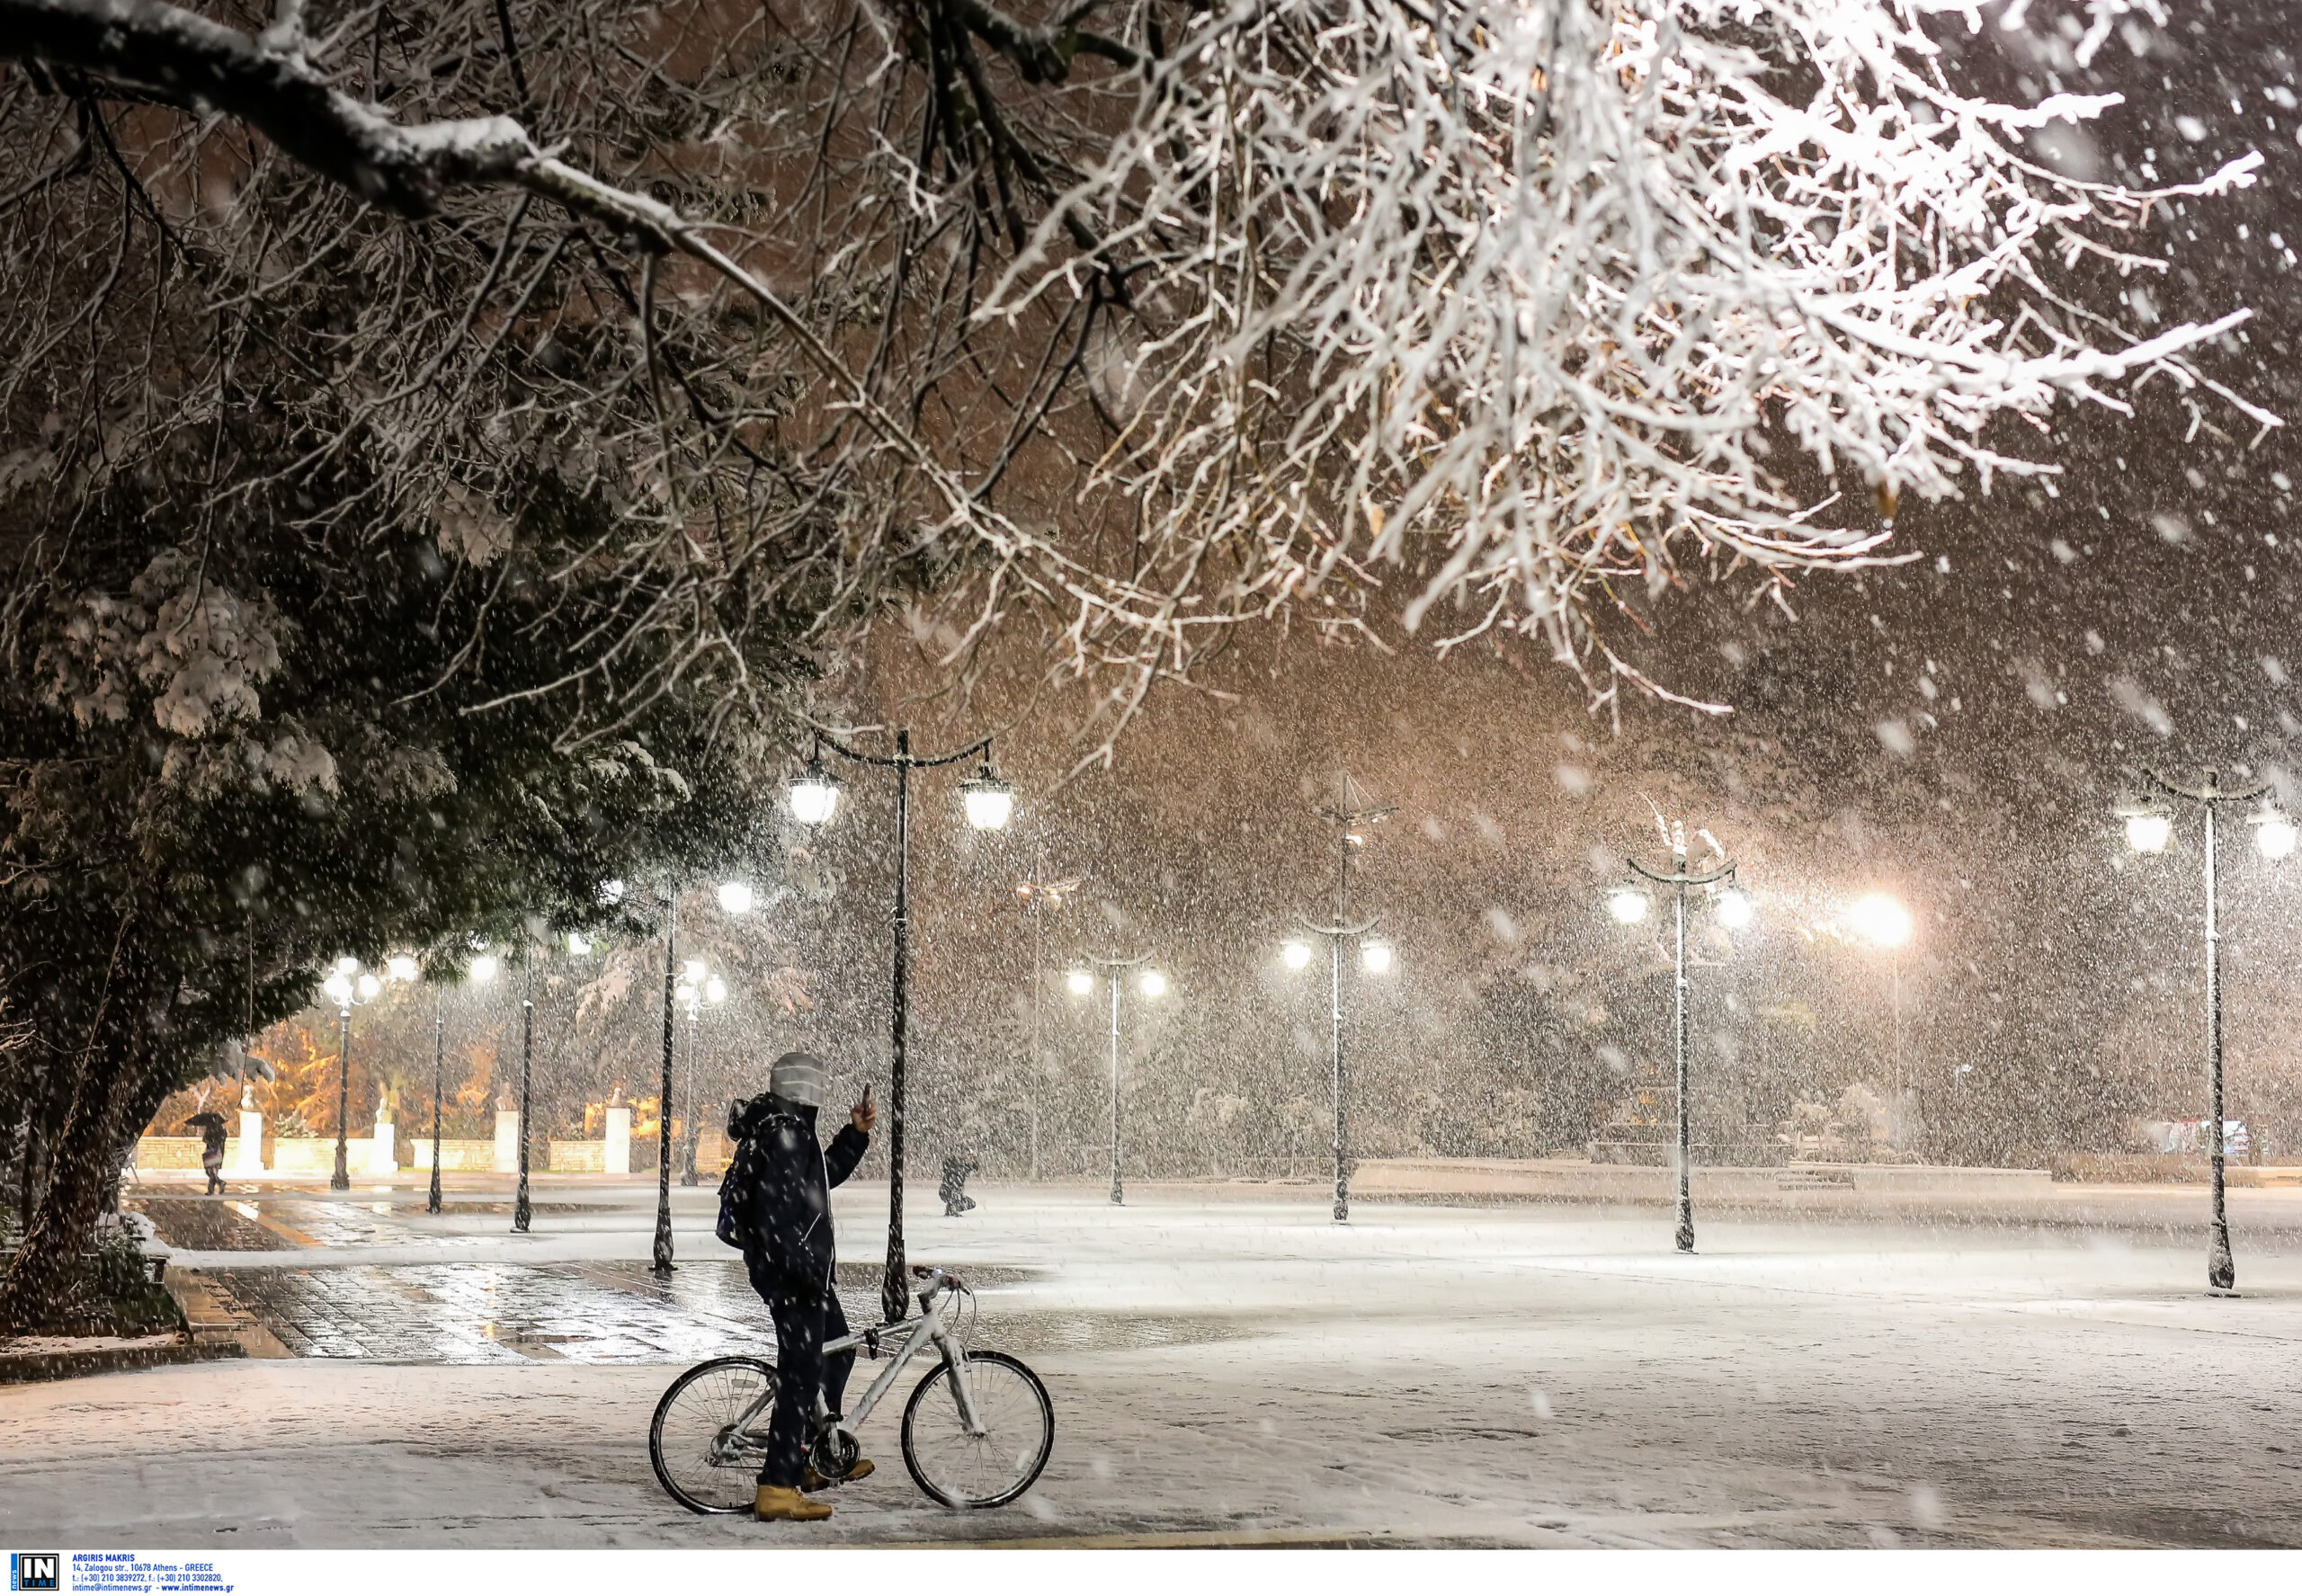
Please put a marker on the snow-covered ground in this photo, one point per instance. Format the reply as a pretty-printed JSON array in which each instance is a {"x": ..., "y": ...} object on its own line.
[{"x": 1245, "y": 1369}]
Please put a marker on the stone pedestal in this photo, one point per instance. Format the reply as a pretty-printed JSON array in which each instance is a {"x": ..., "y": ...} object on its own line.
[
  {"x": 507, "y": 1141},
  {"x": 251, "y": 1149},
  {"x": 383, "y": 1152},
  {"x": 617, "y": 1160}
]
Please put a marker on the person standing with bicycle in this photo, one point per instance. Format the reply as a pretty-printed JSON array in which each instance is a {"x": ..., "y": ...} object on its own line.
[{"x": 784, "y": 1204}]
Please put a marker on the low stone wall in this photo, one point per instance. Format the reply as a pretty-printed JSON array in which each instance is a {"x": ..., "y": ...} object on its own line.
[
  {"x": 316, "y": 1155},
  {"x": 578, "y": 1158},
  {"x": 2153, "y": 1168},
  {"x": 1566, "y": 1180},
  {"x": 454, "y": 1155}
]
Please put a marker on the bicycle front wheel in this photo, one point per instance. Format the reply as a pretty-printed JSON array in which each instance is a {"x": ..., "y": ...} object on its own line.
[
  {"x": 709, "y": 1436},
  {"x": 990, "y": 1469}
]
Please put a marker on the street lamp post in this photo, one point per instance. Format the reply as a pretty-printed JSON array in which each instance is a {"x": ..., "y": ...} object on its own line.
[
  {"x": 1152, "y": 985},
  {"x": 1351, "y": 821},
  {"x": 347, "y": 985},
  {"x": 522, "y": 1212},
  {"x": 1039, "y": 894},
  {"x": 663, "y": 1265},
  {"x": 815, "y": 798},
  {"x": 439, "y": 1060},
  {"x": 2148, "y": 828},
  {"x": 1679, "y": 878},
  {"x": 700, "y": 988}
]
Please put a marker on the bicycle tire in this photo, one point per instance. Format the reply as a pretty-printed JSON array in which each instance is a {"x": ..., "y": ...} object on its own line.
[
  {"x": 1015, "y": 1408},
  {"x": 690, "y": 1476}
]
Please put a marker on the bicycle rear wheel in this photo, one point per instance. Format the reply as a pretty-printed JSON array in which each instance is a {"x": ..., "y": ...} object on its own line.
[
  {"x": 701, "y": 1458},
  {"x": 988, "y": 1470}
]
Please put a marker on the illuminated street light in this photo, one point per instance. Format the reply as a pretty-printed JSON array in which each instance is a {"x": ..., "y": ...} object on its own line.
[
  {"x": 2149, "y": 834},
  {"x": 2274, "y": 833},
  {"x": 350, "y": 984},
  {"x": 989, "y": 800},
  {"x": 1375, "y": 958},
  {"x": 1152, "y": 985},
  {"x": 2148, "y": 829},
  {"x": 400, "y": 966},
  {"x": 715, "y": 991},
  {"x": 1296, "y": 955},
  {"x": 485, "y": 967},
  {"x": 736, "y": 897},
  {"x": 814, "y": 796},
  {"x": 1718, "y": 871},
  {"x": 1735, "y": 909},
  {"x": 989, "y": 804},
  {"x": 1880, "y": 921}
]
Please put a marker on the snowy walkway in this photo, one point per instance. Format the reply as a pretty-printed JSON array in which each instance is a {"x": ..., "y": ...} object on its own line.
[{"x": 1538, "y": 1376}]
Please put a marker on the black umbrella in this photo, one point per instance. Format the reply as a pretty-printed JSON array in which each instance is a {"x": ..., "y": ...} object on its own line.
[{"x": 207, "y": 1117}]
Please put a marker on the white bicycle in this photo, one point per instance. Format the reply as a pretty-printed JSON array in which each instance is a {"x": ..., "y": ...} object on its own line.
[{"x": 975, "y": 1433}]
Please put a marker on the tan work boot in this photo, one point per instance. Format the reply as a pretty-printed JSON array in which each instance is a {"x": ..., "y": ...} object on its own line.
[
  {"x": 812, "y": 1481},
  {"x": 781, "y": 1502}
]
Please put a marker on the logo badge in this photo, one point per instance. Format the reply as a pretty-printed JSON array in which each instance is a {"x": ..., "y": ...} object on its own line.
[{"x": 34, "y": 1571}]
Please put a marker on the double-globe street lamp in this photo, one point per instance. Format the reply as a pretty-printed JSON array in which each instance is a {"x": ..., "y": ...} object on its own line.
[
  {"x": 2149, "y": 826},
  {"x": 483, "y": 970},
  {"x": 1629, "y": 906},
  {"x": 1352, "y": 823},
  {"x": 699, "y": 987},
  {"x": 348, "y": 985},
  {"x": 1152, "y": 985},
  {"x": 989, "y": 802}
]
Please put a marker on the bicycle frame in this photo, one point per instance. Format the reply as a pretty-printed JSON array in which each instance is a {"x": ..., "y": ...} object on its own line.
[{"x": 916, "y": 1334}]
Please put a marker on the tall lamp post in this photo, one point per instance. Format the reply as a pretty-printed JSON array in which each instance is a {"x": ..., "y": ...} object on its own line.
[
  {"x": 1039, "y": 894},
  {"x": 1353, "y": 821},
  {"x": 348, "y": 985},
  {"x": 989, "y": 802},
  {"x": 483, "y": 970},
  {"x": 662, "y": 1265},
  {"x": 2148, "y": 829},
  {"x": 700, "y": 987},
  {"x": 1629, "y": 906},
  {"x": 522, "y": 1211},
  {"x": 1153, "y": 986}
]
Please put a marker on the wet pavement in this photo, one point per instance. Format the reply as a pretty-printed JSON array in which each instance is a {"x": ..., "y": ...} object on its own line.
[{"x": 597, "y": 1311}]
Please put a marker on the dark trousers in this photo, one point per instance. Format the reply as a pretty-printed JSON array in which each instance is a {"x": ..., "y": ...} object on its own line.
[
  {"x": 806, "y": 1316},
  {"x": 214, "y": 1164}
]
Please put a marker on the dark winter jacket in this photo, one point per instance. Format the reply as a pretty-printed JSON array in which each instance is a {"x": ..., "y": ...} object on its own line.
[{"x": 788, "y": 1223}]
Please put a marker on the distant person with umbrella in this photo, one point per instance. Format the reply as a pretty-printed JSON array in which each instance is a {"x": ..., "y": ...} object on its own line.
[{"x": 211, "y": 1147}]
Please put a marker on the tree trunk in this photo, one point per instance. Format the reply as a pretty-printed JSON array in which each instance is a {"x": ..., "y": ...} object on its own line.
[{"x": 84, "y": 1158}]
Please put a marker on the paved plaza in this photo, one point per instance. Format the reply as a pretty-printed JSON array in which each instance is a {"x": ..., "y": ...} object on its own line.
[{"x": 1227, "y": 1366}]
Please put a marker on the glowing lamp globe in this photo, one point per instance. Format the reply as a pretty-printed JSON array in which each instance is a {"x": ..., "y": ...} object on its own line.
[
  {"x": 685, "y": 993},
  {"x": 1880, "y": 919},
  {"x": 694, "y": 971},
  {"x": 1736, "y": 910},
  {"x": 2274, "y": 835},
  {"x": 814, "y": 796},
  {"x": 400, "y": 967},
  {"x": 1375, "y": 956},
  {"x": 1081, "y": 981},
  {"x": 2148, "y": 833},
  {"x": 1153, "y": 984},
  {"x": 715, "y": 991},
  {"x": 339, "y": 987},
  {"x": 369, "y": 986},
  {"x": 990, "y": 802},
  {"x": 736, "y": 897},
  {"x": 485, "y": 967},
  {"x": 347, "y": 965},
  {"x": 1297, "y": 955},
  {"x": 1627, "y": 906}
]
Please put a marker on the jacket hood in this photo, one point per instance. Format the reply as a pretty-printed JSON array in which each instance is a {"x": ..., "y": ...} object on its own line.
[{"x": 747, "y": 1120}]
